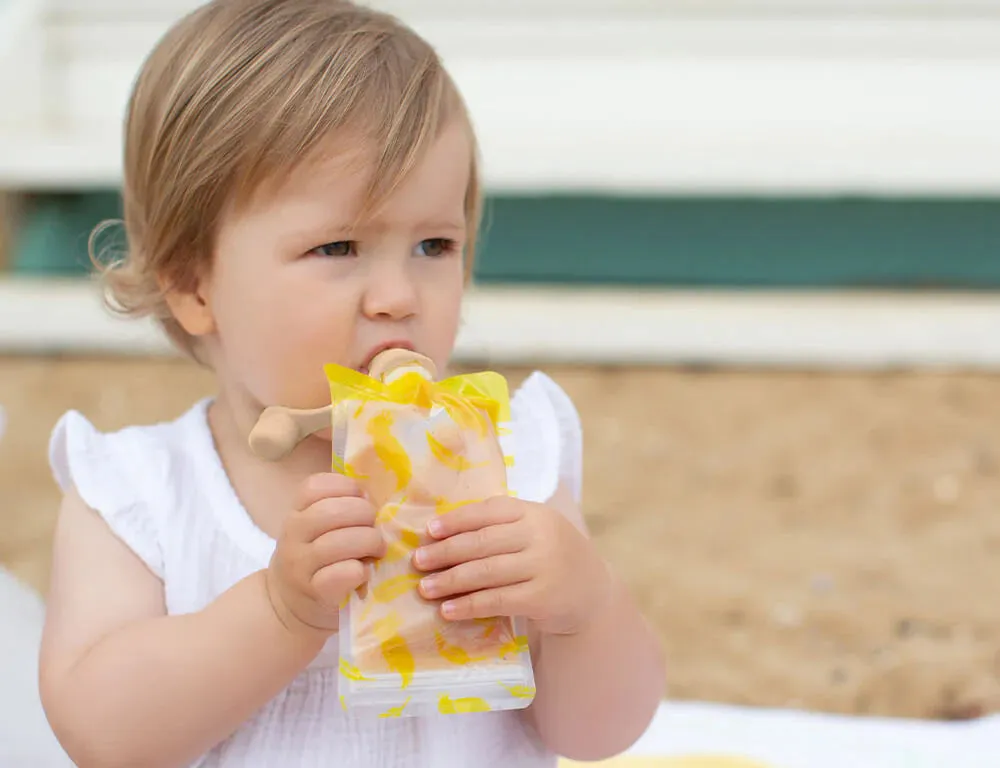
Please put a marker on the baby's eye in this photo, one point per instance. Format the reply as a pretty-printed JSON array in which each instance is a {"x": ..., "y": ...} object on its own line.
[
  {"x": 435, "y": 247},
  {"x": 338, "y": 248}
]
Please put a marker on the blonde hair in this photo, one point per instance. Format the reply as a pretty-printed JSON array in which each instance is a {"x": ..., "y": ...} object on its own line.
[{"x": 237, "y": 95}]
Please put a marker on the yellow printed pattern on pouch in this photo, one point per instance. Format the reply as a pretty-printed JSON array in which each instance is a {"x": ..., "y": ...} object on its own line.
[
  {"x": 453, "y": 653},
  {"x": 391, "y": 589},
  {"x": 403, "y": 546},
  {"x": 447, "y": 456},
  {"x": 450, "y": 706},
  {"x": 350, "y": 671},
  {"x": 395, "y": 650},
  {"x": 520, "y": 691},
  {"x": 396, "y": 711},
  {"x": 389, "y": 450},
  {"x": 518, "y": 645}
]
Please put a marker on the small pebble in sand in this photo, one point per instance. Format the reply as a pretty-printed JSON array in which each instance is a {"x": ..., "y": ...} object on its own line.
[
  {"x": 785, "y": 486},
  {"x": 786, "y": 615},
  {"x": 905, "y": 627},
  {"x": 838, "y": 676},
  {"x": 881, "y": 653},
  {"x": 985, "y": 461},
  {"x": 961, "y": 710},
  {"x": 821, "y": 583},
  {"x": 947, "y": 489}
]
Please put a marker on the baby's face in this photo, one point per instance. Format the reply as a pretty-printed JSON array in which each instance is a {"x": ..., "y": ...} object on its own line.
[{"x": 294, "y": 287}]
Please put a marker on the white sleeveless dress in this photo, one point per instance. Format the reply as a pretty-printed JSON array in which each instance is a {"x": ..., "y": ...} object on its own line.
[{"x": 162, "y": 489}]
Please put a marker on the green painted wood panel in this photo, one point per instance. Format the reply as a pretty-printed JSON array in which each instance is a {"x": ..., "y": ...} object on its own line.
[
  {"x": 710, "y": 242},
  {"x": 53, "y": 237},
  {"x": 744, "y": 242}
]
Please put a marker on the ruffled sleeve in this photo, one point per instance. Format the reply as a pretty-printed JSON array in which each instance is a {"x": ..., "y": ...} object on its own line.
[
  {"x": 548, "y": 444},
  {"x": 112, "y": 474}
]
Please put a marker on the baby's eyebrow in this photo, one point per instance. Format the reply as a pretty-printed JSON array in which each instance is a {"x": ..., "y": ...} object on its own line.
[
  {"x": 440, "y": 225},
  {"x": 423, "y": 228}
]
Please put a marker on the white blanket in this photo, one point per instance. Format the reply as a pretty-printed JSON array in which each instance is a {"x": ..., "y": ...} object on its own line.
[
  {"x": 25, "y": 737},
  {"x": 792, "y": 739}
]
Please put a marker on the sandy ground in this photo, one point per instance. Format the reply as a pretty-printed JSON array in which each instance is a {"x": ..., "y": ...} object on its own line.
[{"x": 809, "y": 540}]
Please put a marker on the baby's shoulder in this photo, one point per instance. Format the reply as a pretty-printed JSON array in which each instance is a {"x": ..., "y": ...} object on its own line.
[
  {"x": 540, "y": 395},
  {"x": 128, "y": 476},
  {"x": 547, "y": 439},
  {"x": 76, "y": 443}
]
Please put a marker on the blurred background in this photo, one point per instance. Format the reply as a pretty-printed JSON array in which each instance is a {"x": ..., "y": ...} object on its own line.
[{"x": 758, "y": 241}]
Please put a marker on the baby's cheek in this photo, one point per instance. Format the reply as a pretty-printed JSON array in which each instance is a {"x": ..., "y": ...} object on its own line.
[
  {"x": 281, "y": 371},
  {"x": 290, "y": 358},
  {"x": 276, "y": 341}
]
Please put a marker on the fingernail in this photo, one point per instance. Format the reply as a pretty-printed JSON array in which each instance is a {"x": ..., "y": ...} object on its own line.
[
  {"x": 420, "y": 557},
  {"x": 449, "y": 610},
  {"x": 429, "y": 585},
  {"x": 435, "y": 527}
]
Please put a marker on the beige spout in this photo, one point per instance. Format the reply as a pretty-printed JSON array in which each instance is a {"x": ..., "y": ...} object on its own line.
[{"x": 280, "y": 429}]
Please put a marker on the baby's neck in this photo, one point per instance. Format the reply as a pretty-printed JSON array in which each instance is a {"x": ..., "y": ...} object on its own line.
[{"x": 267, "y": 490}]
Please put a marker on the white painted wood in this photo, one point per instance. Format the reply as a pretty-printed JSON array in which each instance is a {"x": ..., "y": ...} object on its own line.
[
  {"x": 938, "y": 8},
  {"x": 727, "y": 328},
  {"x": 750, "y": 98},
  {"x": 47, "y": 315},
  {"x": 631, "y": 124},
  {"x": 22, "y": 66},
  {"x": 128, "y": 39},
  {"x": 602, "y": 326}
]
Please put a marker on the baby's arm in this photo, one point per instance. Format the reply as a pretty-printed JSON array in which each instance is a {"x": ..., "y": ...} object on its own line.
[
  {"x": 598, "y": 668},
  {"x": 597, "y": 689},
  {"x": 123, "y": 684}
]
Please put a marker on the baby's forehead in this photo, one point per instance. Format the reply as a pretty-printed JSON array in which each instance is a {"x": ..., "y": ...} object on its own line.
[
  {"x": 337, "y": 170},
  {"x": 334, "y": 162},
  {"x": 342, "y": 175}
]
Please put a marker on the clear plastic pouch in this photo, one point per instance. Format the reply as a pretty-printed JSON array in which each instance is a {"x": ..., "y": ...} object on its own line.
[{"x": 420, "y": 449}]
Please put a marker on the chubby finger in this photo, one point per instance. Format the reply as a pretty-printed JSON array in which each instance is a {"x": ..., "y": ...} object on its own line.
[
  {"x": 472, "y": 545},
  {"x": 511, "y": 600},
  {"x": 328, "y": 515},
  {"x": 477, "y": 575},
  {"x": 472, "y": 517},
  {"x": 345, "y": 544},
  {"x": 325, "y": 485},
  {"x": 337, "y": 579}
]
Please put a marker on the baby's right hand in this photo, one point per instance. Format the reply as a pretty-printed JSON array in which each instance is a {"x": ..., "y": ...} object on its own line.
[{"x": 319, "y": 557}]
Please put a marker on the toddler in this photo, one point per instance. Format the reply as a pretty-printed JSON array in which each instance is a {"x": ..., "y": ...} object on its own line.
[{"x": 301, "y": 188}]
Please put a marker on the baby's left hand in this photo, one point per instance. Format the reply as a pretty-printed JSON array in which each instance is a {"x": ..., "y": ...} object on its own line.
[{"x": 506, "y": 557}]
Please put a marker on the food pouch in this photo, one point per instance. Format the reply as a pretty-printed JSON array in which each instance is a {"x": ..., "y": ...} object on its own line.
[{"x": 420, "y": 448}]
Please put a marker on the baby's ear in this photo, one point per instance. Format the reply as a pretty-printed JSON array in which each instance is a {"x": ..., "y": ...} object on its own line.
[{"x": 190, "y": 308}]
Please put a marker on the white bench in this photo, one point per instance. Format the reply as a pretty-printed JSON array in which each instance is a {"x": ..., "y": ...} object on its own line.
[
  {"x": 685, "y": 97},
  {"x": 756, "y": 96}
]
